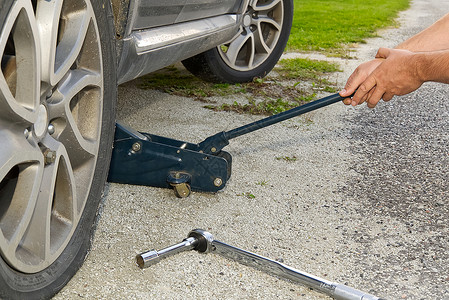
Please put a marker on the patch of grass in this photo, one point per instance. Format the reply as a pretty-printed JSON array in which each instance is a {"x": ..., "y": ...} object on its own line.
[
  {"x": 247, "y": 195},
  {"x": 171, "y": 80},
  {"x": 266, "y": 107},
  {"x": 278, "y": 98},
  {"x": 287, "y": 158},
  {"x": 331, "y": 26},
  {"x": 265, "y": 97},
  {"x": 262, "y": 183},
  {"x": 305, "y": 69}
]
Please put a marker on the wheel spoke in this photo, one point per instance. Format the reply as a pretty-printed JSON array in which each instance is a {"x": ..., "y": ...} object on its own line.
[
  {"x": 64, "y": 28},
  {"x": 251, "y": 51},
  {"x": 77, "y": 102},
  {"x": 34, "y": 244},
  {"x": 269, "y": 21},
  {"x": 20, "y": 58},
  {"x": 54, "y": 215},
  {"x": 21, "y": 170},
  {"x": 236, "y": 46},
  {"x": 260, "y": 44},
  {"x": 263, "y": 6}
]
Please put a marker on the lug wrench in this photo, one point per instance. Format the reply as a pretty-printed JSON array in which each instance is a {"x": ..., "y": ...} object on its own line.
[{"x": 203, "y": 241}]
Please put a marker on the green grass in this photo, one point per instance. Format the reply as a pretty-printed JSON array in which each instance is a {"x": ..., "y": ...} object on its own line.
[
  {"x": 265, "y": 97},
  {"x": 170, "y": 80},
  {"x": 305, "y": 69},
  {"x": 287, "y": 158},
  {"x": 331, "y": 26}
]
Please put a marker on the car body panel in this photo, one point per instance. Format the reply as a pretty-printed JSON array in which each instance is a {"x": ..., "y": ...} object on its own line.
[
  {"x": 160, "y": 33},
  {"x": 150, "y": 50},
  {"x": 199, "y": 9},
  {"x": 152, "y": 13}
]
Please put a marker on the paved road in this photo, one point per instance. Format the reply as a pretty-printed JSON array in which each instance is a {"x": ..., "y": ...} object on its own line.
[{"x": 364, "y": 203}]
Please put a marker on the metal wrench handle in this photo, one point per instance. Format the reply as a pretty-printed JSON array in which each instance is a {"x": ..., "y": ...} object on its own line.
[
  {"x": 203, "y": 241},
  {"x": 335, "y": 290}
]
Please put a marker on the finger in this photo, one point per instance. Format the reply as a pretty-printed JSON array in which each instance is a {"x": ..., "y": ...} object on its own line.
[
  {"x": 365, "y": 87},
  {"x": 387, "y": 97},
  {"x": 347, "y": 101},
  {"x": 383, "y": 53},
  {"x": 368, "y": 95},
  {"x": 351, "y": 85},
  {"x": 354, "y": 81},
  {"x": 375, "y": 98}
]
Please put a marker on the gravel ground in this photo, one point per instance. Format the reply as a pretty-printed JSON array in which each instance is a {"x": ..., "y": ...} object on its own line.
[{"x": 364, "y": 203}]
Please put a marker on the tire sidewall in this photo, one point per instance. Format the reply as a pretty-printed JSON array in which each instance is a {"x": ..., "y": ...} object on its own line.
[
  {"x": 44, "y": 284},
  {"x": 227, "y": 74}
]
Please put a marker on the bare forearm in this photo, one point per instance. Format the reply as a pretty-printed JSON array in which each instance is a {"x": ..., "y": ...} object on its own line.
[
  {"x": 433, "y": 66},
  {"x": 434, "y": 38}
]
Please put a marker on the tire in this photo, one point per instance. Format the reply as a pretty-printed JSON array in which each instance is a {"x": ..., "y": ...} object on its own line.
[
  {"x": 253, "y": 51},
  {"x": 57, "y": 112}
]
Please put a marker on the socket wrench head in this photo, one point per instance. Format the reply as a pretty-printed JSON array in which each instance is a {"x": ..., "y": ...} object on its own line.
[
  {"x": 204, "y": 240},
  {"x": 152, "y": 257},
  {"x": 146, "y": 259}
]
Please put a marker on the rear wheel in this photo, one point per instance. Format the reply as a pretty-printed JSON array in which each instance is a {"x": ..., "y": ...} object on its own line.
[
  {"x": 254, "y": 50},
  {"x": 57, "y": 92}
]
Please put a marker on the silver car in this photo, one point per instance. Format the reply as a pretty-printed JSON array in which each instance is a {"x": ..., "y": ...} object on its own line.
[{"x": 61, "y": 63}]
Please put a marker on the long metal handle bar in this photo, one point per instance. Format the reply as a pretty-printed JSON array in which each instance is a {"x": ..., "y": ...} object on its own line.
[
  {"x": 215, "y": 143},
  {"x": 335, "y": 290},
  {"x": 305, "y": 108},
  {"x": 203, "y": 241}
]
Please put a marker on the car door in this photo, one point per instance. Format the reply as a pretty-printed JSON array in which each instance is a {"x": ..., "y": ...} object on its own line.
[
  {"x": 199, "y": 9},
  {"x": 153, "y": 13}
]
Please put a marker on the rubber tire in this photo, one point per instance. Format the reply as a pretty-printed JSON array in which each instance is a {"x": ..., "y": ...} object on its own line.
[
  {"x": 210, "y": 66},
  {"x": 45, "y": 284}
]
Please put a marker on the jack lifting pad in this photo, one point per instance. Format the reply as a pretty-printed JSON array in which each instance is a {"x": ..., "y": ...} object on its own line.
[{"x": 146, "y": 159}]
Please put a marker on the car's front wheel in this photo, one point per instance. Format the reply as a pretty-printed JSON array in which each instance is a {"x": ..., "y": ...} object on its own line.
[
  {"x": 254, "y": 50},
  {"x": 57, "y": 92}
]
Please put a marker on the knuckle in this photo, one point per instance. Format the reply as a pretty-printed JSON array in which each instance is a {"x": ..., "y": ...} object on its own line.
[{"x": 363, "y": 87}]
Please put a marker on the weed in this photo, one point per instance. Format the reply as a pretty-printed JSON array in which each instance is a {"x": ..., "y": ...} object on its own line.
[
  {"x": 287, "y": 158},
  {"x": 266, "y": 107},
  {"x": 171, "y": 80},
  {"x": 247, "y": 195}
]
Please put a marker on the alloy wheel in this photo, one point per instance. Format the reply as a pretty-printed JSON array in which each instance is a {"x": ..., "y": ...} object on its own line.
[
  {"x": 257, "y": 37},
  {"x": 51, "y": 87}
]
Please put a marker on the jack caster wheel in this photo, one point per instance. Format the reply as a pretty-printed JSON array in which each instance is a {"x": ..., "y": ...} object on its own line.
[{"x": 182, "y": 190}]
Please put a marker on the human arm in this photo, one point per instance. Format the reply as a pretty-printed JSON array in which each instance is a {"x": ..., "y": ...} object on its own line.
[
  {"x": 401, "y": 72},
  {"x": 394, "y": 72},
  {"x": 433, "y": 38}
]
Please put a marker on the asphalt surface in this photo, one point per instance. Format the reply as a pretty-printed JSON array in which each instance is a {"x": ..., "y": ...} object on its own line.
[{"x": 362, "y": 199}]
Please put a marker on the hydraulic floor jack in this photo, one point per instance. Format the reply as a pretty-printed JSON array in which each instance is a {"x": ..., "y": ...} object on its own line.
[
  {"x": 151, "y": 160},
  {"x": 203, "y": 241}
]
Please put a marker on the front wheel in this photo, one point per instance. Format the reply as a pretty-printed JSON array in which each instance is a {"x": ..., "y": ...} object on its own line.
[
  {"x": 57, "y": 93},
  {"x": 254, "y": 50}
]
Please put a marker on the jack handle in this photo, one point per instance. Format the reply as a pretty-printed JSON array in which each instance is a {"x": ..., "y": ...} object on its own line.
[{"x": 215, "y": 143}]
